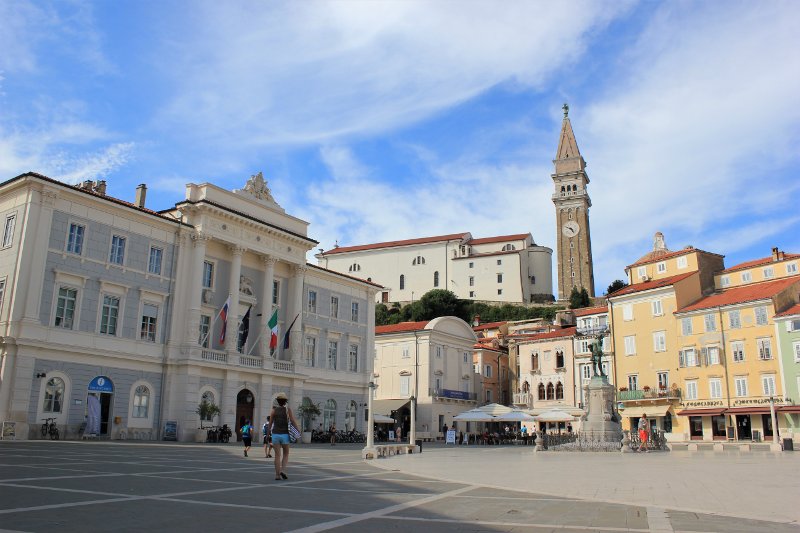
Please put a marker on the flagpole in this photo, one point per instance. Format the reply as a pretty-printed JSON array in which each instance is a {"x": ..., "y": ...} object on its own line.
[
  {"x": 255, "y": 343},
  {"x": 213, "y": 322}
]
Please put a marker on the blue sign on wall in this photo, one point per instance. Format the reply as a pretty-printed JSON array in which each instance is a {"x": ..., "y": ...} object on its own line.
[
  {"x": 101, "y": 384},
  {"x": 455, "y": 394}
]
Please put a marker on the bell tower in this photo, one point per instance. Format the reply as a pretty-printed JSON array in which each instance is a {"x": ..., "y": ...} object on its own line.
[{"x": 572, "y": 205}]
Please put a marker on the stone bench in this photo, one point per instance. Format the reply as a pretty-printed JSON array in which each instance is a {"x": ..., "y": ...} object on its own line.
[{"x": 386, "y": 450}]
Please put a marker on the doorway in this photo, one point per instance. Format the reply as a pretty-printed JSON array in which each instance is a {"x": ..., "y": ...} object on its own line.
[
  {"x": 743, "y": 430},
  {"x": 99, "y": 405},
  {"x": 245, "y": 405}
]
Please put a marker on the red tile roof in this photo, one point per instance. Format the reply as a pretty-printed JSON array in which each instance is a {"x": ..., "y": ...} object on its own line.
[
  {"x": 746, "y": 293},
  {"x": 345, "y": 275},
  {"x": 794, "y": 310},
  {"x": 564, "y": 332},
  {"x": 479, "y": 346},
  {"x": 648, "y": 285},
  {"x": 662, "y": 255},
  {"x": 394, "y": 244},
  {"x": 591, "y": 310},
  {"x": 488, "y": 325},
  {"x": 501, "y": 238},
  {"x": 487, "y": 254},
  {"x": 401, "y": 327},
  {"x": 759, "y": 262}
]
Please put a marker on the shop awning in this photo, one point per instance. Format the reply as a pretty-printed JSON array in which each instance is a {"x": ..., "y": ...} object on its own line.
[
  {"x": 701, "y": 412},
  {"x": 748, "y": 411},
  {"x": 385, "y": 407},
  {"x": 650, "y": 410},
  {"x": 788, "y": 409},
  {"x": 380, "y": 419}
]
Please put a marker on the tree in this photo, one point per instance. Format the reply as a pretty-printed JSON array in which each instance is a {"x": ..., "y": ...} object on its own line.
[
  {"x": 579, "y": 298},
  {"x": 381, "y": 315},
  {"x": 616, "y": 285},
  {"x": 207, "y": 411},
  {"x": 586, "y": 301},
  {"x": 435, "y": 303},
  {"x": 308, "y": 411}
]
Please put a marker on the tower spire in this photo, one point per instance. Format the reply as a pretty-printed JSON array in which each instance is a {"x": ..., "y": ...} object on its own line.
[{"x": 567, "y": 145}]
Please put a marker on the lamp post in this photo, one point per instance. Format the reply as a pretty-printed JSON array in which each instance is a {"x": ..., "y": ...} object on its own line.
[
  {"x": 412, "y": 434},
  {"x": 369, "y": 449},
  {"x": 775, "y": 445}
]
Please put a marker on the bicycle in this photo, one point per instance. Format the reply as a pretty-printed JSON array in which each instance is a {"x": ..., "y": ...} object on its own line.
[{"x": 49, "y": 428}]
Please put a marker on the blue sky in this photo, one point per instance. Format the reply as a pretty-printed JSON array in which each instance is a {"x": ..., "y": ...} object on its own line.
[{"x": 389, "y": 120}]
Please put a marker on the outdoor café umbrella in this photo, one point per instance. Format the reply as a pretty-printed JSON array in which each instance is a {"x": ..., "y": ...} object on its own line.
[
  {"x": 515, "y": 416},
  {"x": 474, "y": 415},
  {"x": 555, "y": 415},
  {"x": 382, "y": 419}
]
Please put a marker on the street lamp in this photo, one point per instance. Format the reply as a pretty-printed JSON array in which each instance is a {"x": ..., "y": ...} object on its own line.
[
  {"x": 412, "y": 435},
  {"x": 774, "y": 423},
  {"x": 369, "y": 449}
]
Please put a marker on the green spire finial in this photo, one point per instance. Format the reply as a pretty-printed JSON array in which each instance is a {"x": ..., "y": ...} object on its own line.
[{"x": 565, "y": 107}]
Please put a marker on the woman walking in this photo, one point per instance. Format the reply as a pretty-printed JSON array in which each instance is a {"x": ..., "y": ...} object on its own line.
[
  {"x": 281, "y": 415},
  {"x": 266, "y": 431}
]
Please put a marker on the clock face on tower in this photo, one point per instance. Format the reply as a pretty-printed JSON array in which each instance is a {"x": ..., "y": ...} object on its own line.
[{"x": 571, "y": 228}]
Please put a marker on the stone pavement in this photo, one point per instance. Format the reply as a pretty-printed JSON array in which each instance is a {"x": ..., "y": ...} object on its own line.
[{"x": 101, "y": 486}]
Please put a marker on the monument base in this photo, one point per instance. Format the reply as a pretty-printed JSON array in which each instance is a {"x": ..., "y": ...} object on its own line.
[{"x": 601, "y": 421}]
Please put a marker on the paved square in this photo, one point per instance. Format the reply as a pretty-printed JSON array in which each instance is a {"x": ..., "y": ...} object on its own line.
[{"x": 80, "y": 486}]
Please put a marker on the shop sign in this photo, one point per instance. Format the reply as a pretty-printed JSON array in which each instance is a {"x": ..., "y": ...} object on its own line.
[
  {"x": 761, "y": 401},
  {"x": 101, "y": 384},
  {"x": 455, "y": 394},
  {"x": 702, "y": 403},
  {"x": 171, "y": 430}
]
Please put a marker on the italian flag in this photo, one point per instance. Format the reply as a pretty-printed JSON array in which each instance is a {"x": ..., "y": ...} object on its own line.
[{"x": 273, "y": 326}]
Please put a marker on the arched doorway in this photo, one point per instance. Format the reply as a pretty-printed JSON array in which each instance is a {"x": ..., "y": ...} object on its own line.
[
  {"x": 99, "y": 396},
  {"x": 245, "y": 404}
]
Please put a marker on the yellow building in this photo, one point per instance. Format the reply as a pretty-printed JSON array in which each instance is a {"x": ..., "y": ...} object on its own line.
[
  {"x": 727, "y": 363},
  {"x": 778, "y": 265}
]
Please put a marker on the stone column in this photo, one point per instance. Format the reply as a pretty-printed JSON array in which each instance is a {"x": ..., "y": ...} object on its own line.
[
  {"x": 192, "y": 334},
  {"x": 266, "y": 304},
  {"x": 232, "y": 331},
  {"x": 296, "y": 310}
]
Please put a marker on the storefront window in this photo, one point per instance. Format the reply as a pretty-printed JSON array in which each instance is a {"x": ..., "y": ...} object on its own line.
[
  {"x": 766, "y": 421},
  {"x": 718, "y": 426},
  {"x": 668, "y": 423},
  {"x": 696, "y": 427}
]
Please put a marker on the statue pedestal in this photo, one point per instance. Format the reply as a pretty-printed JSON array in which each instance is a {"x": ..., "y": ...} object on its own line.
[{"x": 601, "y": 421}]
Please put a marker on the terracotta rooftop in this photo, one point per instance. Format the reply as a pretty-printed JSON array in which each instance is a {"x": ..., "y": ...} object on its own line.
[
  {"x": 345, "y": 275},
  {"x": 395, "y": 244},
  {"x": 746, "y": 293},
  {"x": 488, "y": 325},
  {"x": 662, "y": 255},
  {"x": 591, "y": 310},
  {"x": 648, "y": 285},
  {"x": 501, "y": 238},
  {"x": 563, "y": 332},
  {"x": 401, "y": 327},
  {"x": 482, "y": 346},
  {"x": 759, "y": 262},
  {"x": 486, "y": 254},
  {"x": 794, "y": 310}
]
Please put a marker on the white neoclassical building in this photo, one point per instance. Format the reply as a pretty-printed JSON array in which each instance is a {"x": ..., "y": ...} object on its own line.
[
  {"x": 506, "y": 269},
  {"x": 431, "y": 361},
  {"x": 108, "y": 305}
]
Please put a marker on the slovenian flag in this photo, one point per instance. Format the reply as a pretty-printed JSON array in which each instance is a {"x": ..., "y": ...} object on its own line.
[
  {"x": 223, "y": 313},
  {"x": 273, "y": 326},
  {"x": 286, "y": 335}
]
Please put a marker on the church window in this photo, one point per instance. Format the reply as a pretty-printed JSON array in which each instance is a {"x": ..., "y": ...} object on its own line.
[
  {"x": 572, "y": 273},
  {"x": 569, "y": 214},
  {"x": 508, "y": 248},
  {"x": 436, "y": 279},
  {"x": 562, "y": 189},
  {"x": 355, "y": 267},
  {"x": 419, "y": 260},
  {"x": 574, "y": 188},
  {"x": 571, "y": 245},
  {"x": 402, "y": 282}
]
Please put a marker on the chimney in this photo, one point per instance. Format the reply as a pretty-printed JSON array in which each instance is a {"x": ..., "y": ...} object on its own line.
[
  {"x": 100, "y": 187},
  {"x": 775, "y": 253},
  {"x": 141, "y": 194},
  {"x": 87, "y": 184}
]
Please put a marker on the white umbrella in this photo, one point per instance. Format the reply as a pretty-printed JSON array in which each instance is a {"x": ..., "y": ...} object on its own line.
[
  {"x": 495, "y": 409},
  {"x": 515, "y": 416},
  {"x": 555, "y": 415},
  {"x": 382, "y": 419},
  {"x": 474, "y": 415}
]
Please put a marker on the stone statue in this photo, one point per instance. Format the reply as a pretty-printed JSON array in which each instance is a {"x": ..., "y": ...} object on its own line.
[
  {"x": 245, "y": 285},
  {"x": 597, "y": 357},
  {"x": 257, "y": 186}
]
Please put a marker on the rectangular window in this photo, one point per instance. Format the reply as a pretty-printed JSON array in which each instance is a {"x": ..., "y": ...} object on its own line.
[
  {"x": 499, "y": 278},
  {"x": 149, "y": 322},
  {"x": 715, "y": 388},
  {"x": 208, "y": 275},
  {"x": 310, "y": 350},
  {"x": 438, "y": 352},
  {"x": 657, "y": 309},
  {"x": 466, "y": 357},
  {"x": 311, "y": 305},
  {"x": 2, "y": 292},
  {"x": 499, "y": 261},
  {"x": 642, "y": 272},
  {"x": 487, "y": 371},
  {"x": 741, "y": 385},
  {"x": 725, "y": 281},
  {"x": 663, "y": 380},
  {"x": 333, "y": 354},
  {"x": 791, "y": 268},
  {"x": 499, "y": 291},
  {"x": 75, "y": 239},
  {"x": 734, "y": 319},
  {"x": 768, "y": 385},
  {"x": 276, "y": 291},
  {"x": 769, "y": 273},
  {"x": 405, "y": 381},
  {"x": 354, "y": 311},
  {"x": 109, "y": 315},
  {"x": 737, "y": 349},
  {"x": 747, "y": 277},
  {"x": 661, "y": 267},
  {"x": 489, "y": 396},
  {"x": 334, "y": 307},
  {"x": 627, "y": 312},
  {"x": 583, "y": 346},
  {"x": 764, "y": 349},
  {"x": 471, "y": 264},
  {"x": 630, "y": 345},
  {"x": 796, "y": 347},
  {"x": 117, "y": 255},
  {"x": 472, "y": 281},
  {"x": 691, "y": 390},
  {"x": 682, "y": 262},
  {"x": 472, "y": 294},
  {"x": 8, "y": 230},
  {"x": 205, "y": 328},
  {"x": 686, "y": 326},
  {"x": 154, "y": 264},
  {"x": 633, "y": 382},
  {"x": 690, "y": 357},
  {"x": 710, "y": 323},
  {"x": 405, "y": 352},
  {"x": 659, "y": 341},
  {"x": 352, "y": 362},
  {"x": 761, "y": 315},
  {"x": 713, "y": 355},
  {"x": 65, "y": 307}
]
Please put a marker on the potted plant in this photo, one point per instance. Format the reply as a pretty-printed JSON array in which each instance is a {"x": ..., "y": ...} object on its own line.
[
  {"x": 207, "y": 411},
  {"x": 623, "y": 389},
  {"x": 308, "y": 412}
]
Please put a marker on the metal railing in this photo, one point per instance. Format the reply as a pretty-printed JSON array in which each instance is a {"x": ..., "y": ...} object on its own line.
[{"x": 652, "y": 394}]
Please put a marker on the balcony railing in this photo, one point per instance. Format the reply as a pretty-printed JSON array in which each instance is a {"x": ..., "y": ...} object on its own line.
[
  {"x": 523, "y": 398},
  {"x": 283, "y": 366},
  {"x": 249, "y": 361},
  {"x": 215, "y": 356},
  {"x": 652, "y": 394},
  {"x": 594, "y": 330}
]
